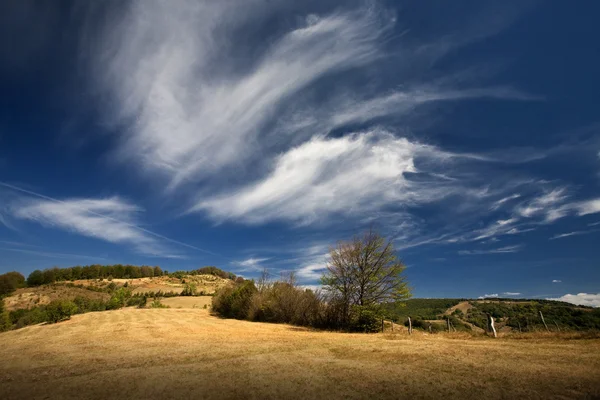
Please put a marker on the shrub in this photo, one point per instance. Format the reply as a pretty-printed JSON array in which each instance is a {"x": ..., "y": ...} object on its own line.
[
  {"x": 235, "y": 301},
  {"x": 189, "y": 289},
  {"x": 365, "y": 319},
  {"x": 157, "y": 304},
  {"x": 138, "y": 301},
  {"x": 59, "y": 310},
  {"x": 118, "y": 299}
]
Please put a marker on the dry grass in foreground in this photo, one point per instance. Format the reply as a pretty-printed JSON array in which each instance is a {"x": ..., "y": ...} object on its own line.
[{"x": 185, "y": 353}]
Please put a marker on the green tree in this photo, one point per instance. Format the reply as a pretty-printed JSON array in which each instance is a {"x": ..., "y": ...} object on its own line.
[
  {"x": 36, "y": 278},
  {"x": 11, "y": 281},
  {"x": 60, "y": 310},
  {"x": 364, "y": 272}
]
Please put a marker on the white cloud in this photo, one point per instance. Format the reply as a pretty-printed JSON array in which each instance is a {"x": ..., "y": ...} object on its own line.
[
  {"x": 324, "y": 177},
  {"x": 312, "y": 272},
  {"x": 501, "y": 250},
  {"x": 574, "y": 233},
  {"x": 194, "y": 114},
  {"x": 488, "y": 296},
  {"x": 588, "y": 207},
  {"x": 556, "y": 281},
  {"x": 111, "y": 219},
  {"x": 250, "y": 264},
  {"x": 511, "y": 294},
  {"x": 582, "y": 299}
]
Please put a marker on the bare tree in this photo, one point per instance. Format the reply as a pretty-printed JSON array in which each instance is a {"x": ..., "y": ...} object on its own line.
[{"x": 364, "y": 271}]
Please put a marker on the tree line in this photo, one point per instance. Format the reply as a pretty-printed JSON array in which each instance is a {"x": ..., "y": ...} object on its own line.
[
  {"x": 118, "y": 271},
  {"x": 362, "y": 274}
]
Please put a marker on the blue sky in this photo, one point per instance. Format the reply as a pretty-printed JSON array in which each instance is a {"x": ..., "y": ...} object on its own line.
[{"x": 251, "y": 134}]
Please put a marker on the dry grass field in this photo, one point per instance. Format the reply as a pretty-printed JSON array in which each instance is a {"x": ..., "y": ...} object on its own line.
[{"x": 187, "y": 353}]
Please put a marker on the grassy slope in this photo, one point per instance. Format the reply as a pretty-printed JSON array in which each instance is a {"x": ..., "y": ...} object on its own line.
[
  {"x": 508, "y": 313},
  {"x": 171, "y": 353}
]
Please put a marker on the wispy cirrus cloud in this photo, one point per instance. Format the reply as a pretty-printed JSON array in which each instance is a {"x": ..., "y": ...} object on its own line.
[
  {"x": 500, "y": 250},
  {"x": 250, "y": 264},
  {"x": 52, "y": 254},
  {"x": 295, "y": 128},
  {"x": 511, "y": 294},
  {"x": 111, "y": 219},
  {"x": 489, "y": 296}
]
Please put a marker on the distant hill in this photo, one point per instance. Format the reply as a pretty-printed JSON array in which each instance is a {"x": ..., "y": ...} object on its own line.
[{"x": 510, "y": 314}]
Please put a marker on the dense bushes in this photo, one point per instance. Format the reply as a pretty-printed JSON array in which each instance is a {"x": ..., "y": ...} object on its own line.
[
  {"x": 119, "y": 299},
  {"x": 235, "y": 301},
  {"x": 284, "y": 302},
  {"x": 10, "y": 282},
  {"x": 60, "y": 310}
]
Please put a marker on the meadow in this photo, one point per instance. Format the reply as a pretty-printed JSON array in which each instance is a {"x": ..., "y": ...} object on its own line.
[{"x": 187, "y": 352}]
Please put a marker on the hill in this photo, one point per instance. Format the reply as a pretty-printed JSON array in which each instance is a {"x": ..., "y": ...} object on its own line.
[
  {"x": 183, "y": 353},
  {"x": 510, "y": 315}
]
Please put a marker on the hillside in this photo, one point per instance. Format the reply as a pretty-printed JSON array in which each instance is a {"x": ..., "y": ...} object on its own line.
[
  {"x": 184, "y": 353},
  {"x": 510, "y": 315},
  {"x": 101, "y": 289}
]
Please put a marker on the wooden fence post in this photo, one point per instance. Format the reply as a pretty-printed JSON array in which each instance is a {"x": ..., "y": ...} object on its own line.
[
  {"x": 430, "y": 330},
  {"x": 492, "y": 327},
  {"x": 519, "y": 326},
  {"x": 409, "y": 326},
  {"x": 382, "y": 326},
  {"x": 448, "y": 321},
  {"x": 542, "y": 317}
]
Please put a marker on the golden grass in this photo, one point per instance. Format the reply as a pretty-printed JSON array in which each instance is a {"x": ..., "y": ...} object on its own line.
[
  {"x": 186, "y": 353},
  {"x": 187, "y": 302}
]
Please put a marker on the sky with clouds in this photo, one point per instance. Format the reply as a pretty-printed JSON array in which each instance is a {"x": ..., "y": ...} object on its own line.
[{"x": 255, "y": 134}]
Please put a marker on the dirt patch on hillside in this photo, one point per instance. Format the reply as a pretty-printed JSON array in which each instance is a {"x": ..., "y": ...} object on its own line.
[{"x": 463, "y": 306}]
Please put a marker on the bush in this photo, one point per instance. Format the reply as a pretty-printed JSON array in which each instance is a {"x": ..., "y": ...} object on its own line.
[
  {"x": 59, "y": 310},
  {"x": 189, "y": 289},
  {"x": 235, "y": 301},
  {"x": 11, "y": 281},
  {"x": 365, "y": 319},
  {"x": 137, "y": 301},
  {"x": 118, "y": 299},
  {"x": 157, "y": 304}
]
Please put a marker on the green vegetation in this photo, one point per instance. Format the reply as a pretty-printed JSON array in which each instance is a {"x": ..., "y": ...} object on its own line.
[
  {"x": 110, "y": 272},
  {"x": 10, "y": 282},
  {"x": 362, "y": 274},
  {"x": 524, "y": 315},
  {"x": 60, "y": 310},
  {"x": 189, "y": 289},
  {"x": 210, "y": 270},
  {"x": 418, "y": 309},
  {"x": 47, "y": 276}
]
